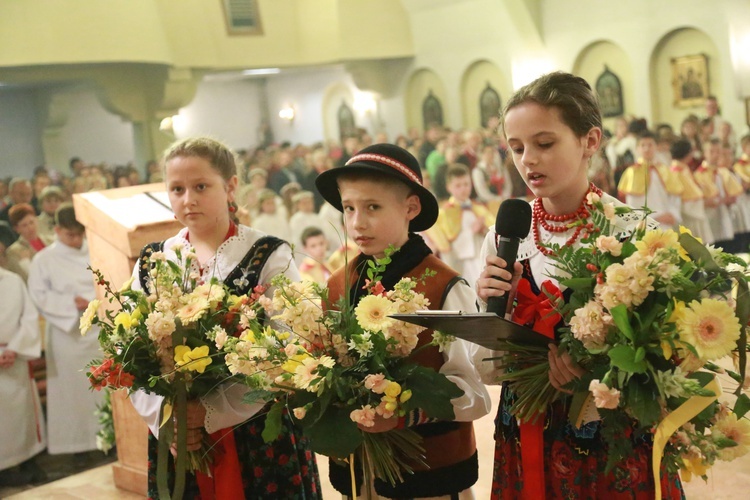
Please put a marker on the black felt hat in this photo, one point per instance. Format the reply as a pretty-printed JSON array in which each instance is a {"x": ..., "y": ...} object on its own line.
[{"x": 391, "y": 161}]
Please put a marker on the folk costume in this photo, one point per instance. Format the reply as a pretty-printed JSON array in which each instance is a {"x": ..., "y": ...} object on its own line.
[
  {"x": 552, "y": 459},
  {"x": 653, "y": 185},
  {"x": 57, "y": 275},
  {"x": 692, "y": 206},
  {"x": 284, "y": 468},
  {"x": 450, "y": 446},
  {"x": 22, "y": 434}
]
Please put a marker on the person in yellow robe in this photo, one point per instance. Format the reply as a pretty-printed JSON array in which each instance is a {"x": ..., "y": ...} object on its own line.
[
  {"x": 649, "y": 184},
  {"x": 461, "y": 225},
  {"x": 693, "y": 210},
  {"x": 720, "y": 191}
]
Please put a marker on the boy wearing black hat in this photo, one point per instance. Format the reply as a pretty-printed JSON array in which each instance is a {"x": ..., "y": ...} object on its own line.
[{"x": 384, "y": 201}]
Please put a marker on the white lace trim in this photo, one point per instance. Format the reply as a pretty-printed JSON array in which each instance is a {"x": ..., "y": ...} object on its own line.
[
  {"x": 227, "y": 256},
  {"x": 624, "y": 226}
]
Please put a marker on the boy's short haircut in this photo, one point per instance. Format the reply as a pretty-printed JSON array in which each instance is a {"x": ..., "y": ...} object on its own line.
[
  {"x": 310, "y": 232},
  {"x": 18, "y": 212},
  {"x": 455, "y": 171},
  {"x": 745, "y": 140},
  {"x": 65, "y": 217},
  {"x": 680, "y": 149},
  {"x": 646, "y": 134}
]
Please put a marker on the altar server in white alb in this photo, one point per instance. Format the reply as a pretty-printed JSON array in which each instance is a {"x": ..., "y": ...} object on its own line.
[
  {"x": 22, "y": 433},
  {"x": 61, "y": 287}
]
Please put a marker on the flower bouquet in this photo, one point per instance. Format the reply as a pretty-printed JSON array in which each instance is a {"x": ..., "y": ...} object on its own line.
[
  {"x": 163, "y": 340},
  {"x": 335, "y": 366},
  {"x": 647, "y": 315}
]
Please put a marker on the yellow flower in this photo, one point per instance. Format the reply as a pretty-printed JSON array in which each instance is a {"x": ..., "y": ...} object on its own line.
[
  {"x": 738, "y": 430},
  {"x": 666, "y": 348},
  {"x": 126, "y": 286},
  {"x": 677, "y": 312},
  {"x": 372, "y": 313},
  {"x": 405, "y": 396},
  {"x": 234, "y": 300},
  {"x": 655, "y": 240},
  {"x": 684, "y": 230},
  {"x": 710, "y": 326},
  {"x": 290, "y": 366},
  {"x": 192, "y": 359},
  {"x": 136, "y": 316},
  {"x": 693, "y": 465},
  {"x": 193, "y": 310},
  {"x": 123, "y": 318},
  {"x": 88, "y": 316},
  {"x": 393, "y": 389}
]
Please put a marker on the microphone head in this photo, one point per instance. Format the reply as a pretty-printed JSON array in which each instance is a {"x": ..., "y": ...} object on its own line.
[{"x": 513, "y": 218}]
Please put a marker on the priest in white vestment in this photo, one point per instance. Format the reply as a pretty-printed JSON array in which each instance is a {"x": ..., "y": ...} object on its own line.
[
  {"x": 61, "y": 287},
  {"x": 22, "y": 432}
]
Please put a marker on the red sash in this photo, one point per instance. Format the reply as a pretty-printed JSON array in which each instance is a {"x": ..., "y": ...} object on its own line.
[
  {"x": 225, "y": 481},
  {"x": 541, "y": 314}
]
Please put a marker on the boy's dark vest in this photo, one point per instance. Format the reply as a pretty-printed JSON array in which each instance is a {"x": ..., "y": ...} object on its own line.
[{"x": 446, "y": 444}]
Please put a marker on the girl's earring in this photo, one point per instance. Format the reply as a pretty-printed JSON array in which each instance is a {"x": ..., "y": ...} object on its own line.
[{"x": 232, "y": 207}]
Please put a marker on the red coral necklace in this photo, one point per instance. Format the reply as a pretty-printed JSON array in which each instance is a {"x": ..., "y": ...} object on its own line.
[{"x": 542, "y": 218}]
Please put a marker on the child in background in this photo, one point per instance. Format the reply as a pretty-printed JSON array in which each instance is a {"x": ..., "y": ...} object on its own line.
[
  {"x": 304, "y": 216},
  {"x": 381, "y": 193},
  {"x": 49, "y": 201},
  {"x": 270, "y": 219},
  {"x": 462, "y": 223},
  {"x": 720, "y": 191},
  {"x": 61, "y": 286},
  {"x": 647, "y": 183},
  {"x": 314, "y": 249},
  {"x": 693, "y": 208}
]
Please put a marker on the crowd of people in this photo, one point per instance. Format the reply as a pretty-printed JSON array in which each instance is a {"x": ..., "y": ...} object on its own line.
[{"x": 694, "y": 178}]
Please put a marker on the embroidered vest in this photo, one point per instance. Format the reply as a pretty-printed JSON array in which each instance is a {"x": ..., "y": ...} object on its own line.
[{"x": 457, "y": 443}]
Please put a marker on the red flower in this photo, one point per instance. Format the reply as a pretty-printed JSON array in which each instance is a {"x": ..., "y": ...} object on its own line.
[
  {"x": 304, "y": 470},
  {"x": 283, "y": 459},
  {"x": 269, "y": 452},
  {"x": 308, "y": 454},
  {"x": 258, "y": 471},
  {"x": 271, "y": 488},
  {"x": 296, "y": 479}
]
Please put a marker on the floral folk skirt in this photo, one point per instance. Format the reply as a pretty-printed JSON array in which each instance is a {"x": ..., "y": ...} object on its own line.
[{"x": 284, "y": 468}]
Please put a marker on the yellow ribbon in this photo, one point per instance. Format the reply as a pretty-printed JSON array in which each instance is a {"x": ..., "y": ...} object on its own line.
[
  {"x": 354, "y": 479},
  {"x": 674, "y": 421}
]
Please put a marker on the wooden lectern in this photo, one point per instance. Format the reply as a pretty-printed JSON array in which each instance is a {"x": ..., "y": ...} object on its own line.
[{"x": 119, "y": 222}]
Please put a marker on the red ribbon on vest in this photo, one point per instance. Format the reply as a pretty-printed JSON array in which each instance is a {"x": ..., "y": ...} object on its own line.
[
  {"x": 225, "y": 481},
  {"x": 542, "y": 317}
]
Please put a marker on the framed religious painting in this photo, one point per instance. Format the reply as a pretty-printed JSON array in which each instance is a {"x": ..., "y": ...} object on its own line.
[
  {"x": 690, "y": 82},
  {"x": 347, "y": 125},
  {"x": 489, "y": 104},
  {"x": 242, "y": 17},
  {"x": 432, "y": 111},
  {"x": 609, "y": 90}
]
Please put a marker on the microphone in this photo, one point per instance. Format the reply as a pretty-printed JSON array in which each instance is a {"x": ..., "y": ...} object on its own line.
[{"x": 512, "y": 224}]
